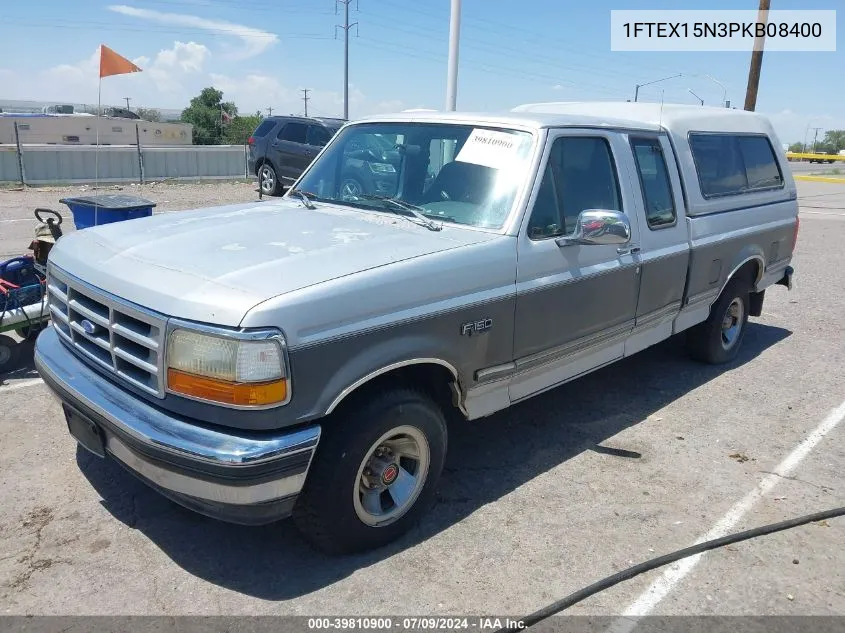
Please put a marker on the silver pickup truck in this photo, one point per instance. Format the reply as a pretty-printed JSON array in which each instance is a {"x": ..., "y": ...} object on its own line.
[{"x": 305, "y": 355}]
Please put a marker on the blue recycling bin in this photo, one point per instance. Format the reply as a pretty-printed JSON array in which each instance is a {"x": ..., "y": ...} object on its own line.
[{"x": 95, "y": 210}]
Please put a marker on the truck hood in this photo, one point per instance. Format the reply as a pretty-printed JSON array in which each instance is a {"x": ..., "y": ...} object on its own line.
[{"x": 213, "y": 265}]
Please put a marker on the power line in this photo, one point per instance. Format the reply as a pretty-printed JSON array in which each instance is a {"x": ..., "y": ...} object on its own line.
[
  {"x": 488, "y": 49},
  {"x": 97, "y": 26},
  {"x": 345, "y": 26},
  {"x": 497, "y": 70},
  {"x": 239, "y": 4},
  {"x": 532, "y": 37}
]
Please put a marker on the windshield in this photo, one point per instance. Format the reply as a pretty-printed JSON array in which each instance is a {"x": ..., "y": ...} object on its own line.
[{"x": 459, "y": 174}]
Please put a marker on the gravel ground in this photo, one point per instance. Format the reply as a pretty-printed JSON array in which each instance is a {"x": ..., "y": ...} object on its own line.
[
  {"x": 535, "y": 502},
  {"x": 16, "y": 206}
]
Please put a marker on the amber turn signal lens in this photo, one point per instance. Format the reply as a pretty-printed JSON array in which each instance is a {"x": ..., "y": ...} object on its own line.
[{"x": 241, "y": 394}]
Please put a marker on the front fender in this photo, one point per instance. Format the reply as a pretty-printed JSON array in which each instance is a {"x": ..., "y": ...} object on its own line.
[{"x": 335, "y": 369}]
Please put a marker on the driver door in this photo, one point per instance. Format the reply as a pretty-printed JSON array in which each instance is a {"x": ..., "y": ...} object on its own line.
[{"x": 575, "y": 304}]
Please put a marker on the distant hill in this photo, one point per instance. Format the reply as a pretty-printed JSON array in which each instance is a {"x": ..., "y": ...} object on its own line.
[{"x": 11, "y": 105}]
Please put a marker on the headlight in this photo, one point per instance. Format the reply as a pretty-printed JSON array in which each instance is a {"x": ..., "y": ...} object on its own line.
[
  {"x": 236, "y": 371},
  {"x": 382, "y": 168}
]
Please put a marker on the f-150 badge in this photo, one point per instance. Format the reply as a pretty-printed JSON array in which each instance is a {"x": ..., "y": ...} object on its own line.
[{"x": 476, "y": 327}]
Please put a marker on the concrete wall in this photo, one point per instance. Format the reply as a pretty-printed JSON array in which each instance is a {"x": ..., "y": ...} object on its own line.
[{"x": 48, "y": 164}]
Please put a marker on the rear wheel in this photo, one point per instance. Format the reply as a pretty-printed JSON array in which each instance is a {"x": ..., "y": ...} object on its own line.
[
  {"x": 374, "y": 473},
  {"x": 268, "y": 181},
  {"x": 718, "y": 339}
]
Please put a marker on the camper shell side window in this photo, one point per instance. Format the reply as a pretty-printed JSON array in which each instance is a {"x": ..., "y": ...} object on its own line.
[{"x": 729, "y": 164}]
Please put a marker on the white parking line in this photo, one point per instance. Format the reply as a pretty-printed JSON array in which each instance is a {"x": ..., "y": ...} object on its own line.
[
  {"x": 661, "y": 587},
  {"x": 20, "y": 384}
]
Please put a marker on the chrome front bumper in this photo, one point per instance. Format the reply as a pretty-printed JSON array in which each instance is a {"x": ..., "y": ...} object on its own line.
[{"x": 231, "y": 475}]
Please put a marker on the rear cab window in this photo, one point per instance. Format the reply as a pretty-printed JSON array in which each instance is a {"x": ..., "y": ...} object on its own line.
[
  {"x": 264, "y": 128},
  {"x": 733, "y": 164},
  {"x": 317, "y": 135}
]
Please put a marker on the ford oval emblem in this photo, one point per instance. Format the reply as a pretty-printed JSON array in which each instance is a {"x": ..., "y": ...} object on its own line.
[{"x": 89, "y": 327}]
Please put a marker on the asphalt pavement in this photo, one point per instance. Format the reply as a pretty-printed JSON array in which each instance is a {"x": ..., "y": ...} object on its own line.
[
  {"x": 835, "y": 168},
  {"x": 644, "y": 457}
]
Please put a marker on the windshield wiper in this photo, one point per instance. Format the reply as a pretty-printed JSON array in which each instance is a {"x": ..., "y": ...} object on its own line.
[
  {"x": 305, "y": 196},
  {"x": 405, "y": 206}
]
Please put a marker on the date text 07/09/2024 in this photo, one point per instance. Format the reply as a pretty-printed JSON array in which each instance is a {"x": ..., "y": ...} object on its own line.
[{"x": 414, "y": 623}]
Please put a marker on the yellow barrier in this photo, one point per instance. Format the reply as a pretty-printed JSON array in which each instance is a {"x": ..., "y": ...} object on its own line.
[
  {"x": 826, "y": 157},
  {"x": 831, "y": 179}
]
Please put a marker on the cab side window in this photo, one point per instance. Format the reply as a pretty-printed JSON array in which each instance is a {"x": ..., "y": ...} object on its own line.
[
  {"x": 294, "y": 132},
  {"x": 580, "y": 174},
  {"x": 655, "y": 183}
]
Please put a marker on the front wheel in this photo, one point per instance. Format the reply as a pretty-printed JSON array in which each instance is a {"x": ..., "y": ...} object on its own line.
[
  {"x": 374, "y": 473},
  {"x": 718, "y": 339},
  {"x": 9, "y": 353},
  {"x": 30, "y": 331},
  {"x": 351, "y": 188}
]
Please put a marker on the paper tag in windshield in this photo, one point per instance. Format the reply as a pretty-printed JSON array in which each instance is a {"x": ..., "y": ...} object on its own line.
[{"x": 490, "y": 148}]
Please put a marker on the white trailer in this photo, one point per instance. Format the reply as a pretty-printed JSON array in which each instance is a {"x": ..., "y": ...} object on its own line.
[{"x": 81, "y": 129}]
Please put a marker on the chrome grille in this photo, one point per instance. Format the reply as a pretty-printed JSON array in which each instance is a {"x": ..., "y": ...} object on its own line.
[{"x": 123, "y": 339}]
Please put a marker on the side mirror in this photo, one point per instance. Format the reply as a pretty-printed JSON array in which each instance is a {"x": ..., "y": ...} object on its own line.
[{"x": 599, "y": 227}]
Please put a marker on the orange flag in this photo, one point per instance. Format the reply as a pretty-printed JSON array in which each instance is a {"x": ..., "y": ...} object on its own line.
[{"x": 113, "y": 64}]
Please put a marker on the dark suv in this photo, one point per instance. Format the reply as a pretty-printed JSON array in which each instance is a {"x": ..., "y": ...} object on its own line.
[{"x": 283, "y": 146}]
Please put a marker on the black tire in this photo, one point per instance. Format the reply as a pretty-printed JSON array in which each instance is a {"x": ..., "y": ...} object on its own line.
[
  {"x": 30, "y": 332},
  {"x": 9, "y": 353},
  {"x": 268, "y": 180},
  {"x": 325, "y": 512},
  {"x": 707, "y": 342},
  {"x": 351, "y": 188}
]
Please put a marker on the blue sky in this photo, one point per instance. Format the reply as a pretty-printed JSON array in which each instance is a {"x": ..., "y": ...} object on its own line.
[{"x": 262, "y": 52}]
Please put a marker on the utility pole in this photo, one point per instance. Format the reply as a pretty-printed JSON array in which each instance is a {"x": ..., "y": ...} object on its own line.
[
  {"x": 756, "y": 60},
  {"x": 815, "y": 137},
  {"x": 128, "y": 99},
  {"x": 346, "y": 26},
  {"x": 270, "y": 111},
  {"x": 454, "y": 42},
  {"x": 305, "y": 99}
]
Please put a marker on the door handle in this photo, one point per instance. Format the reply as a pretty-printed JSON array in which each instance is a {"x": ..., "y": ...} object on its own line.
[{"x": 628, "y": 250}]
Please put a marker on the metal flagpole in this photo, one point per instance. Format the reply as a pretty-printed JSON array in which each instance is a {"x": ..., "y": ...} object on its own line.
[
  {"x": 454, "y": 42},
  {"x": 97, "y": 150}
]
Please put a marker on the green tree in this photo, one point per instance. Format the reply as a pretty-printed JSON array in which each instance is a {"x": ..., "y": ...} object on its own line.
[
  {"x": 149, "y": 114},
  {"x": 240, "y": 128},
  {"x": 835, "y": 140},
  {"x": 797, "y": 147},
  {"x": 206, "y": 115}
]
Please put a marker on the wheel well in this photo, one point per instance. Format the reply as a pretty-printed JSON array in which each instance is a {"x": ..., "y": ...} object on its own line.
[
  {"x": 750, "y": 271},
  {"x": 260, "y": 162},
  {"x": 434, "y": 379}
]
